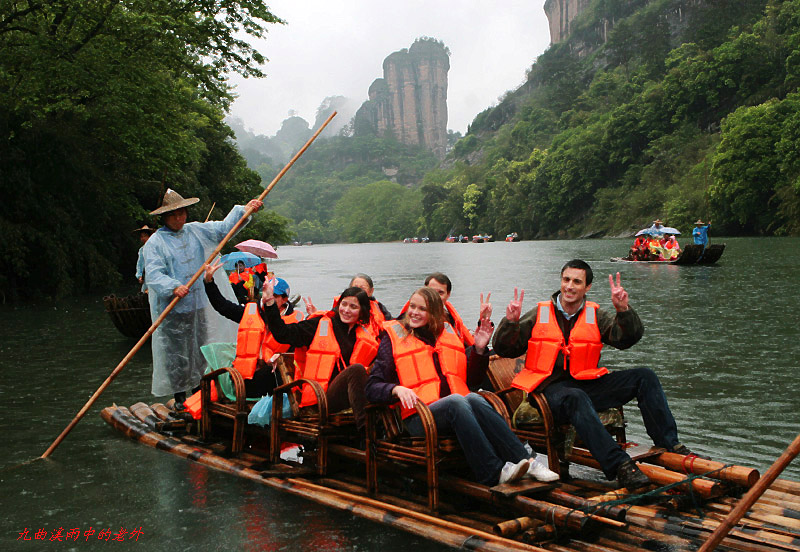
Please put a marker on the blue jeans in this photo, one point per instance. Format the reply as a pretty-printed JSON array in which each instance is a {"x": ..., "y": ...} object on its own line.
[
  {"x": 484, "y": 436},
  {"x": 577, "y": 402}
]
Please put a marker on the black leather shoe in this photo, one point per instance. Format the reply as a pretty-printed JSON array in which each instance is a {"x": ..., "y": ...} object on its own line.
[
  {"x": 684, "y": 450},
  {"x": 631, "y": 477}
]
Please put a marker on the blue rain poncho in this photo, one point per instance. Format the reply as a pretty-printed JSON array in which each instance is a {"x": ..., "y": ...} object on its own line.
[
  {"x": 171, "y": 259},
  {"x": 700, "y": 235},
  {"x": 140, "y": 267}
]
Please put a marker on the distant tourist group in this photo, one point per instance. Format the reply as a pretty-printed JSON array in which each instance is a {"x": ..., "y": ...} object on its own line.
[{"x": 659, "y": 242}]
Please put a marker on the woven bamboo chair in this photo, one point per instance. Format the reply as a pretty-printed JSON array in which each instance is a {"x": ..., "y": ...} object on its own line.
[
  {"x": 314, "y": 427},
  {"x": 389, "y": 445},
  {"x": 535, "y": 423},
  {"x": 233, "y": 413}
]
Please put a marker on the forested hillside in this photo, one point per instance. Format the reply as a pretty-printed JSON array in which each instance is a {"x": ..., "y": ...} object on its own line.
[
  {"x": 102, "y": 106},
  {"x": 683, "y": 109},
  {"x": 677, "y": 109},
  {"x": 671, "y": 109}
]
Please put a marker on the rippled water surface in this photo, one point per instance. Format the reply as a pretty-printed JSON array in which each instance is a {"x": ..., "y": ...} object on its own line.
[{"x": 722, "y": 338}]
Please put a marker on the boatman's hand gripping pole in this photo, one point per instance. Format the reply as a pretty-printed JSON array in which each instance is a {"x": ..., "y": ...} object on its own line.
[{"x": 249, "y": 211}]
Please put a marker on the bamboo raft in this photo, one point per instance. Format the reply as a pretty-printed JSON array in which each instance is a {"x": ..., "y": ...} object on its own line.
[
  {"x": 689, "y": 498},
  {"x": 692, "y": 254},
  {"x": 130, "y": 315}
]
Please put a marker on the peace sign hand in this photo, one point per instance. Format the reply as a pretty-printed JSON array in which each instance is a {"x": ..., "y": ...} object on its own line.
[
  {"x": 486, "y": 307},
  {"x": 514, "y": 308},
  {"x": 619, "y": 297},
  {"x": 211, "y": 269},
  {"x": 267, "y": 293}
]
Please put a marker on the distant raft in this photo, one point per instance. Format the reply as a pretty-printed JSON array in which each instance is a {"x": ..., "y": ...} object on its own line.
[
  {"x": 692, "y": 254},
  {"x": 131, "y": 314}
]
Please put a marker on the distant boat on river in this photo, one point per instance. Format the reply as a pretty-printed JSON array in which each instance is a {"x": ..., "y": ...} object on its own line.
[
  {"x": 131, "y": 315},
  {"x": 692, "y": 254}
]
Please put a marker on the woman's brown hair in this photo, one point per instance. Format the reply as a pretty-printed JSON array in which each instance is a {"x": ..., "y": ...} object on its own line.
[{"x": 433, "y": 303}]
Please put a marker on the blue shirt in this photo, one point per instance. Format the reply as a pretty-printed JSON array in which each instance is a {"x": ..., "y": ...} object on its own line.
[{"x": 700, "y": 235}]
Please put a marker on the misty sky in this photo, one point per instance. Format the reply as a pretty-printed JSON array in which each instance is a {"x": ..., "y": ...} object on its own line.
[{"x": 332, "y": 48}]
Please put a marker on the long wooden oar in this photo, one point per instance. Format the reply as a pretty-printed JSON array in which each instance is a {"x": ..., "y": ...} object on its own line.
[
  {"x": 149, "y": 332},
  {"x": 751, "y": 496}
]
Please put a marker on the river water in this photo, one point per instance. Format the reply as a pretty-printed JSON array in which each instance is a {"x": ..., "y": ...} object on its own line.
[{"x": 720, "y": 337}]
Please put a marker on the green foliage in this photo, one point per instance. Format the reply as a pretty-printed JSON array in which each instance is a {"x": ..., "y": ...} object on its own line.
[
  {"x": 101, "y": 103},
  {"x": 312, "y": 191},
  {"x": 380, "y": 211},
  {"x": 670, "y": 117},
  {"x": 267, "y": 226},
  {"x": 756, "y": 167}
]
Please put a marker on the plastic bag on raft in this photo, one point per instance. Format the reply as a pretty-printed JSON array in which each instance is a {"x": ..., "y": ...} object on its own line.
[
  {"x": 291, "y": 452},
  {"x": 261, "y": 413},
  {"x": 220, "y": 355}
]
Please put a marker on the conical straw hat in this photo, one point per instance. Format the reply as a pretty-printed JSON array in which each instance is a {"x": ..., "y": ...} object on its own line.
[{"x": 172, "y": 201}]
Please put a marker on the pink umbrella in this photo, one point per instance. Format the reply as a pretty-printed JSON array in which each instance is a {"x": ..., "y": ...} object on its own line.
[{"x": 258, "y": 247}]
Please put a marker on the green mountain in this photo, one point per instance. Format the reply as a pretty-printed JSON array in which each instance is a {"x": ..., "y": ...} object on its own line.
[
  {"x": 663, "y": 109},
  {"x": 671, "y": 109}
]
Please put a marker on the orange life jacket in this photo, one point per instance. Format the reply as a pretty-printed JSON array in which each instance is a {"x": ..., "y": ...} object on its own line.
[
  {"x": 581, "y": 355},
  {"x": 324, "y": 352},
  {"x": 253, "y": 341},
  {"x": 376, "y": 318},
  {"x": 458, "y": 324},
  {"x": 416, "y": 369},
  {"x": 270, "y": 345},
  {"x": 461, "y": 328},
  {"x": 248, "y": 341},
  {"x": 194, "y": 404}
]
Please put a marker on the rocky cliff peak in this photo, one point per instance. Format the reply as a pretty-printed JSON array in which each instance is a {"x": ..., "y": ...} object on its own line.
[
  {"x": 560, "y": 13},
  {"x": 410, "y": 101}
]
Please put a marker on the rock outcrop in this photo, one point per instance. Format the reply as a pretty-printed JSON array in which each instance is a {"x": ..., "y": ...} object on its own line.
[
  {"x": 560, "y": 13},
  {"x": 410, "y": 101}
]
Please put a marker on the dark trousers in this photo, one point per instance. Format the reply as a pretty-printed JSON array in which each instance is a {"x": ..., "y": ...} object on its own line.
[
  {"x": 484, "y": 436},
  {"x": 347, "y": 391},
  {"x": 577, "y": 402}
]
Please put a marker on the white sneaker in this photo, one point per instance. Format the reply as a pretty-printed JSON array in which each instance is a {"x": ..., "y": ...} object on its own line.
[
  {"x": 540, "y": 472},
  {"x": 513, "y": 472}
]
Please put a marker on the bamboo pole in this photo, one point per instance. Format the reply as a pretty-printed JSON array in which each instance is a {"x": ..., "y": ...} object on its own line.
[
  {"x": 248, "y": 211},
  {"x": 208, "y": 216},
  {"x": 752, "y": 495},
  {"x": 517, "y": 525},
  {"x": 739, "y": 475},
  {"x": 703, "y": 487}
]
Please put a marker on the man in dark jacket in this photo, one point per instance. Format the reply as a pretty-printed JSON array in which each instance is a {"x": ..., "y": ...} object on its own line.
[{"x": 577, "y": 389}]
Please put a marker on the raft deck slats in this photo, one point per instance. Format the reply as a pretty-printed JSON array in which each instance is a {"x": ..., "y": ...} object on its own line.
[{"x": 573, "y": 523}]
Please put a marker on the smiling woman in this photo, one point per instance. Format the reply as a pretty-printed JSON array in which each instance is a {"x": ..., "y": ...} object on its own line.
[
  {"x": 340, "y": 345},
  {"x": 421, "y": 358}
]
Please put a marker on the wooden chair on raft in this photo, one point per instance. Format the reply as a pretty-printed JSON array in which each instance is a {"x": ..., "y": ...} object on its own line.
[
  {"x": 313, "y": 426},
  {"x": 389, "y": 445},
  {"x": 232, "y": 414},
  {"x": 536, "y": 424}
]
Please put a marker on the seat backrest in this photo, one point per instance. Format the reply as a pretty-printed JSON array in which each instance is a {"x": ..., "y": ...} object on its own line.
[
  {"x": 501, "y": 373},
  {"x": 285, "y": 368}
]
